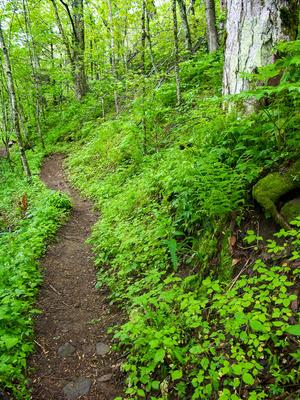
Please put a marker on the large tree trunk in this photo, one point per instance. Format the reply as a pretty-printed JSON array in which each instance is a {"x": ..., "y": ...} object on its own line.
[
  {"x": 254, "y": 27},
  {"x": 212, "y": 34},
  {"x": 13, "y": 104}
]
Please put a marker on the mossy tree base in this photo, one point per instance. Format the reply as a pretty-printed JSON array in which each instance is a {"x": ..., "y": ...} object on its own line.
[
  {"x": 291, "y": 210},
  {"x": 269, "y": 189}
]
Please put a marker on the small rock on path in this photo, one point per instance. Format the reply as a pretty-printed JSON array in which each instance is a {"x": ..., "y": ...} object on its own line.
[
  {"x": 77, "y": 388},
  {"x": 66, "y": 350},
  {"x": 102, "y": 349}
]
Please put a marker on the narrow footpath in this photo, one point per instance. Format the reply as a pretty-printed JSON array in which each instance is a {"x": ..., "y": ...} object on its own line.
[{"x": 73, "y": 356}]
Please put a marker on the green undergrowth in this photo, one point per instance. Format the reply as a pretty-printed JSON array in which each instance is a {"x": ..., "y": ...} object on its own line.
[
  {"x": 30, "y": 214},
  {"x": 219, "y": 340},
  {"x": 170, "y": 182}
]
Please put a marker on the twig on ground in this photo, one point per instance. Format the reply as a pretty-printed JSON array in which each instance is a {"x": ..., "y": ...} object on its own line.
[
  {"x": 238, "y": 275},
  {"x": 54, "y": 290},
  {"x": 42, "y": 347}
]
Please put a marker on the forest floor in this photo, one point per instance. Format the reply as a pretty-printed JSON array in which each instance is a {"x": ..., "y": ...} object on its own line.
[{"x": 73, "y": 356}]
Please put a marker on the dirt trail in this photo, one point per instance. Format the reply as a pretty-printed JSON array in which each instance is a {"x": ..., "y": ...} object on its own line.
[{"x": 73, "y": 359}]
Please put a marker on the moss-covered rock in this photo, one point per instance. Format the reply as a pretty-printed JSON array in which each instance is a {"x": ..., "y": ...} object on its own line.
[
  {"x": 291, "y": 210},
  {"x": 269, "y": 189}
]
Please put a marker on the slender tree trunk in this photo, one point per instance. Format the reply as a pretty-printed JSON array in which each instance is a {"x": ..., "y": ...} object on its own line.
[
  {"x": 253, "y": 29},
  {"x": 212, "y": 34},
  {"x": 143, "y": 45},
  {"x": 75, "y": 52},
  {"x": 91, "y": 59},
  {"x": 34, "y": 66},
  {"x": 23, "y": 122},
  {"x": 113, "y": 54},
  {"x": 183, "y": 14},
  {"x": 191, "y": 7},
  {"x": 13, "y": 104},
  {"x": 150, "y": 40},
  {"x": 63, "y": 34},
  {"x": 176, "y": 48},
  {"x": 222, "y": 22},
  {"x": 5, "y": 128},
  {"x": 81, "y": 86}
]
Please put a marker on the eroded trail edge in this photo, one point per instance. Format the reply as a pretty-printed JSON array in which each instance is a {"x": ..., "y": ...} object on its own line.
[{"x": 73, "y": 356}]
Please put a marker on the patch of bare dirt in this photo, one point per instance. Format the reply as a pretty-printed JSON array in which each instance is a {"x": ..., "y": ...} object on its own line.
[{"x": 73, "y": 357}]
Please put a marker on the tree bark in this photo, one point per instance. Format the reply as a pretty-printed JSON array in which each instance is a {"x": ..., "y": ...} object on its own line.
[
  {"x": 211, "y": 29},
  {"x": 4, "y": 123},
  {"x": 75, "y": 50},
  {"x": 13, "y": 104},
  {"x": 78, "y": 38},
  {"x": 253, "y": 29},
  {"x": 183, "y": 14}
]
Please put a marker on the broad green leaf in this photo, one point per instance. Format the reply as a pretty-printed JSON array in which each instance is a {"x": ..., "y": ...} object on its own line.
[
  {"x": 177, "y": 374},
  {"x": 159, "y": 355},
  {"x": 294, "y": 330},
  {"x": 257, "y": 326},
  {"x": 248, "y": 378}
]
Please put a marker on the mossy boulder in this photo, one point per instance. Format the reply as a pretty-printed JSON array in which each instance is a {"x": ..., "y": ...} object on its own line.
[
  {"x": 291, "y": 210},
  {"x": 269, "y": 189}
]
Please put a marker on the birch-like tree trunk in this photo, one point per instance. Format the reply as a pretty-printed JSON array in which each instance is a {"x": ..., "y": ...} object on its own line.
[
  {"x": 5, "y": 134},
  {"x": 254, "y": 27},
  {"x": 211, "y": 28},
  {"x": 13, "y": 104}
]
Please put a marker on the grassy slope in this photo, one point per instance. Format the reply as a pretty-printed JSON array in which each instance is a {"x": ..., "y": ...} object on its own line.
[
  {"x": 161, "y": 243},
  {"x": 24, "y": 234}
]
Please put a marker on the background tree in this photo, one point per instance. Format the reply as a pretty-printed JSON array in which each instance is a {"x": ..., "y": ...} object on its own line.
[
  {"x": 13, "y": 103},
  {"x": 212, "y": 34},
  {"x": 76, "y": 49}
]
